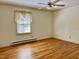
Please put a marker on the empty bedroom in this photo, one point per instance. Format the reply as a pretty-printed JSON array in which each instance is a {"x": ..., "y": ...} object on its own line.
[{"x": 39, "y": 29}]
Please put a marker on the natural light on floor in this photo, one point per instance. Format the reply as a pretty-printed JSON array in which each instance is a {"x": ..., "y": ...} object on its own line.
[{"x": 24, "y": 53}]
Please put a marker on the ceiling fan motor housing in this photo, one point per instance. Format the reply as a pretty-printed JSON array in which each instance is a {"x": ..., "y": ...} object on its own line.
[{"x": 50, "y": 4}]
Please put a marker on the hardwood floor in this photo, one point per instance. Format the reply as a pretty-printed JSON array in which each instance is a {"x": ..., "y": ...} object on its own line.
[{"x": 44, "y": 49}]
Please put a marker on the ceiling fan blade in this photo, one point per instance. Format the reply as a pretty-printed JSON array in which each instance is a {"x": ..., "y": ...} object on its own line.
[
  {"x": 55, "y": 1},
  {"x": 62, "y": 5},
  {"x": 42, "y": 3}
]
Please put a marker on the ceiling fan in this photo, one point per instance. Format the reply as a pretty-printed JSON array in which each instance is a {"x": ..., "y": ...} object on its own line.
[{"x": 52, "y": 3}]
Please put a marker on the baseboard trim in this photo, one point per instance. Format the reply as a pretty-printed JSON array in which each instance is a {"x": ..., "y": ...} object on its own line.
[
  {"x": 65, "y": 40},
  {"x": 45, "y": 38},
  {"x": 23, "y": 43}
]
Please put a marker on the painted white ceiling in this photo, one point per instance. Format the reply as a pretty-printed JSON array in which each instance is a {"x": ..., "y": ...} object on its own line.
[
  {"x": 71, "y": 3},
  {"x": 34, "y": 3}
]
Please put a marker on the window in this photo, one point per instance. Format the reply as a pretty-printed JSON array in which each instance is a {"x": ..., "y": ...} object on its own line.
[{"x": 23, "y": 22}]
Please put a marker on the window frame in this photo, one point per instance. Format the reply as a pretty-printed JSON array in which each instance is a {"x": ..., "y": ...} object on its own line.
[{"x": 17, "y": 24}]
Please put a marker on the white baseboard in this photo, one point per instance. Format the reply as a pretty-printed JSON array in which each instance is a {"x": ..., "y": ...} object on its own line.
[
  {"x": 5, "y": 45},
  {"x": 69, "y": 40}
]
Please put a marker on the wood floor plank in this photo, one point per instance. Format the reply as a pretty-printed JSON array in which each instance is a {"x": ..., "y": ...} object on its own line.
[{"x": 44, "y": 49}]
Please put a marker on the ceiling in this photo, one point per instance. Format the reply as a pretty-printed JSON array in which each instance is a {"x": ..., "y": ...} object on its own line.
[{"x": 34, "y": 3}]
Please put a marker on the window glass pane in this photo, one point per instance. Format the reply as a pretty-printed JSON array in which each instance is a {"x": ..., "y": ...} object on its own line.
[{"x": 21, "y": 28}]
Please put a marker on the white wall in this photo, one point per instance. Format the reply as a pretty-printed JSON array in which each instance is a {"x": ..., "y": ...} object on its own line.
[
  {"x": 65, "y": 24},
  {"x": 41, "y": 25},
  {"x": 62, "y": 24}
]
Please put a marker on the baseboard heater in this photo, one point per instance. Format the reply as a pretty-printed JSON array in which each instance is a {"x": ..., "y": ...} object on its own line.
[{"x": 23, "y": 42}]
